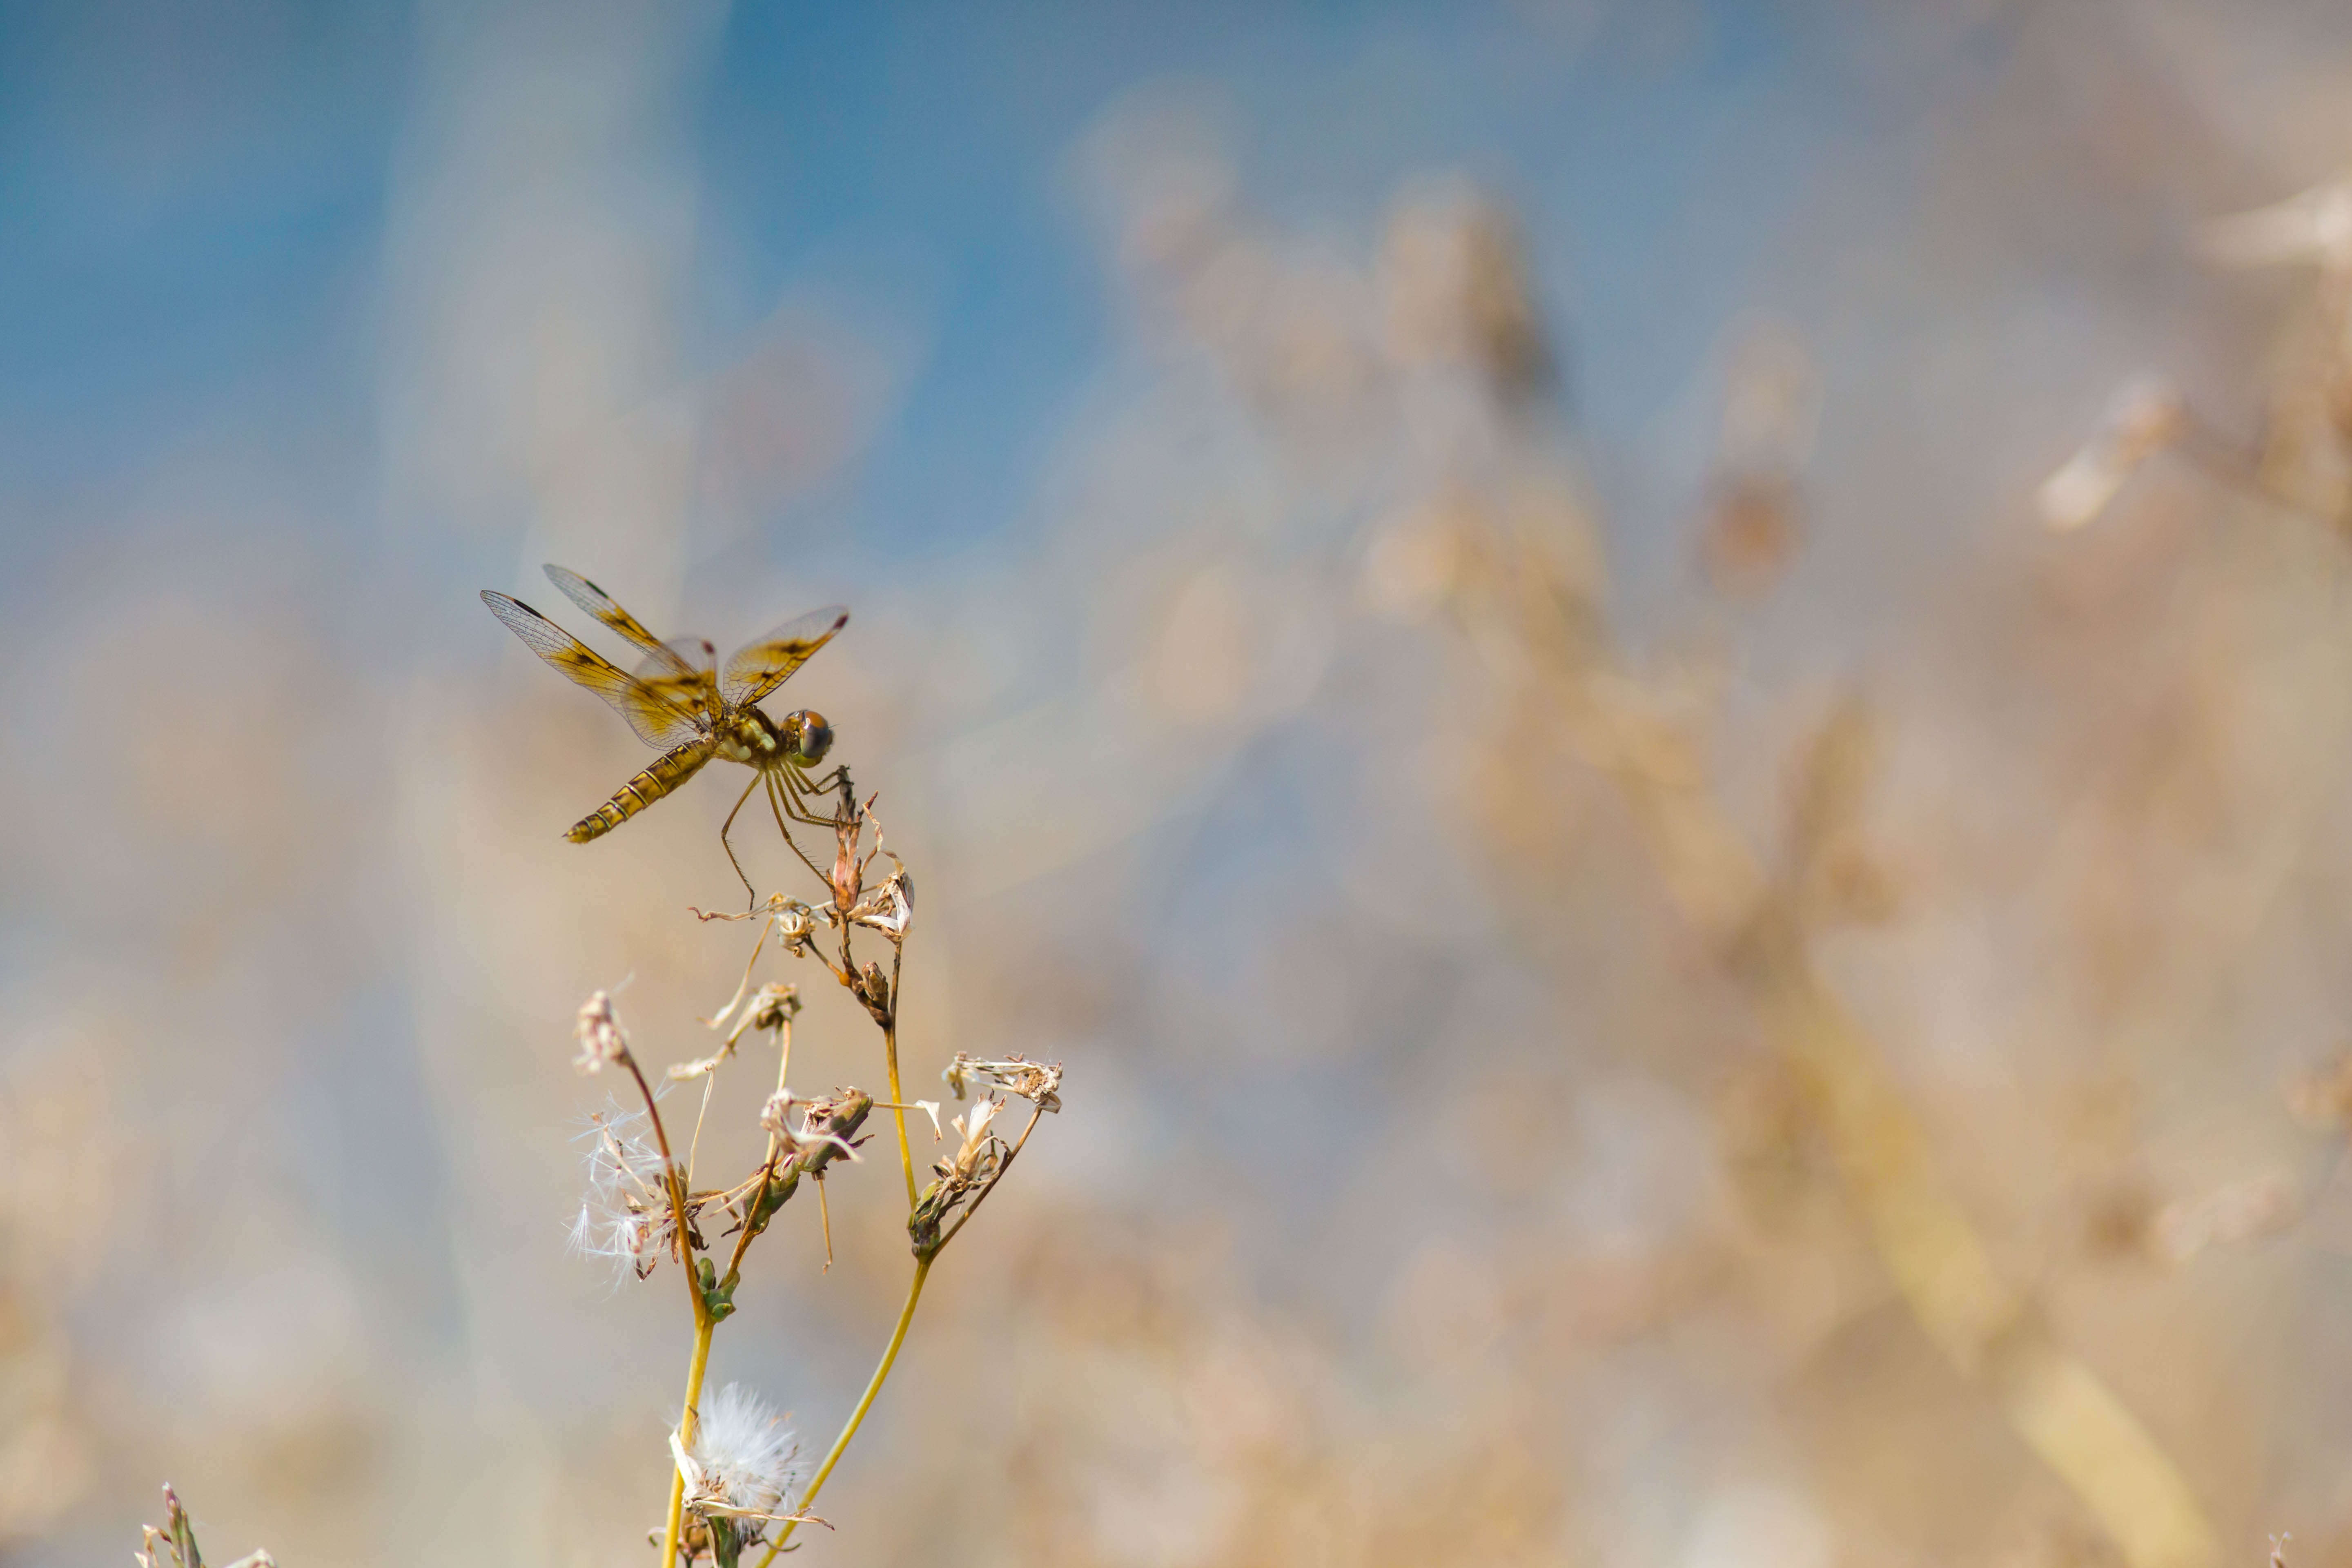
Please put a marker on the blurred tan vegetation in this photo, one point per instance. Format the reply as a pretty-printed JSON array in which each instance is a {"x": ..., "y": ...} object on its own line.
[{"x": 1824, "y": 1052}]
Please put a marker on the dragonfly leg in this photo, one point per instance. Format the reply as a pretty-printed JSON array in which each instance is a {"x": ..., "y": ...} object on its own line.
[
  {"x": 837, "y": 785},
  {"x": 796, "y": 807},
  {"x": 776, "y": 805},
  {"x": 749, "y": 891}
]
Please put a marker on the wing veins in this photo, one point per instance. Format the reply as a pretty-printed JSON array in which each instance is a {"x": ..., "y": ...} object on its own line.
[
  {"x": 607, "y": 611},
  {"x": 754, "y": 671},
  {"x": 658, "y": 719}
]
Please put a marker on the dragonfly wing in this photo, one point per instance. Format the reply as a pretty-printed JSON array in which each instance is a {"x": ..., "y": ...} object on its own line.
[
  {"x": 754, "y": 671},
  {"x": 601, "y": 605},
  {"x": 657, "y": 717},
  {"x": 688, "y": 674}
]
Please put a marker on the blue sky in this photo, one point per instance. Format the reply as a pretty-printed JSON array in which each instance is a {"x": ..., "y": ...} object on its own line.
[{"x": 193, "y": 207}]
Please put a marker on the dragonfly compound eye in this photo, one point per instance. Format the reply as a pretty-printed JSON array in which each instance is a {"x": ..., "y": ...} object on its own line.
[{"x": 813, "y": 738}]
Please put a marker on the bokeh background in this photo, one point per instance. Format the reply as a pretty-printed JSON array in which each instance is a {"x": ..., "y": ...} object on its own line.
[{"x": 1453, "y": 606}]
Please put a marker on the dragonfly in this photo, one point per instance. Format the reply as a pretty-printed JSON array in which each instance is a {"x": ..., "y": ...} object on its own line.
[{"x": 683, "y": 701}]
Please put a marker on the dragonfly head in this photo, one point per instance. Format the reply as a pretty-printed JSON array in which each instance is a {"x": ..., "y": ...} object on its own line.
[{"x": 809, "y": 736}]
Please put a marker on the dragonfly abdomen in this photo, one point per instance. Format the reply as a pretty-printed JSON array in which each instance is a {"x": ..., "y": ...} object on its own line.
[{"x": 668, "y": 770}]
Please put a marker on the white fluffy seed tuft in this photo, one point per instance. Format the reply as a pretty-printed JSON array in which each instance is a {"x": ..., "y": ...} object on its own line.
[
  {"x": 743, "y": 1453},
  {"x": 624, "y": 1219}
]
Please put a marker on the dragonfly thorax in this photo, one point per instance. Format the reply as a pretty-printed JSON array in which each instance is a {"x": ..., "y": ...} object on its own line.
[{"x": 749, "y": 736}]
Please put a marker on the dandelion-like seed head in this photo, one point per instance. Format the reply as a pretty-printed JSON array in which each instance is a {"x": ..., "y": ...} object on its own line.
[
  {"x": 621, "y": 1153},
  {"x": 631, "y": 1240},
  {"x": 741, "y": 1462},
  {"x": 626, "y": 1218}
]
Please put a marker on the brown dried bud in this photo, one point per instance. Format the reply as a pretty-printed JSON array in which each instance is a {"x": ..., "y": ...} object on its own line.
[
  {"x": 599, "y": 1034},
  {"x": 845, "y": 873},
  {"x": 874, "y": 989}
]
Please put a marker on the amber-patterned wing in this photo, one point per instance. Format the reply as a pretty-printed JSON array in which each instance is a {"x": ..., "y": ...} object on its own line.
[
  {"x": 754, "y": 671},
  {"x": 601, "y": 605},
  {"x": 685, "y": 671},
  {"x": 658, "y": 717}
]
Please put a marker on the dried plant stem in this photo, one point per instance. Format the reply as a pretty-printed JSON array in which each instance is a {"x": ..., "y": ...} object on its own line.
[
  {"x": 676, "y": 1181},
  {"x": 890, "y": 1058},
  {"x": 982, "y": 1196},
  {"x": 694, "y": 1145},
  {"x": 767, "y": 1170},
  {"x": 897, "y": 1338},
  {"x": 856, "y": 1416}
]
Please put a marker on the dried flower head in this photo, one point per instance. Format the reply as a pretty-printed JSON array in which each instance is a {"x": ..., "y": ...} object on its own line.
[
  {"x": 978, "y": 1154},
  {"x": 848, "y": 870},
  {"x": 815, "y": 1131},
  {"x": 599, "y": 1034},
  {"x": 772, "y": 1007},
  {"x": 626, "y": 1218},
  {"x": 793, "y": 922},
  {"x": 701, "y": 1067},
  {"x": 963, "y": 1177},
  {"x": 889, "y": 909},
  {"x": 741, "y": 1463},
  {"x": 1039, "y": 1083}
]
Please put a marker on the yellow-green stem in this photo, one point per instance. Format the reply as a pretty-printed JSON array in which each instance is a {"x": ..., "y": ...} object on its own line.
[
  {"x": 686, "y": 1423},
  {"x": 840, "y": 1444},
  {"x": 899, "y": 1100}
]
